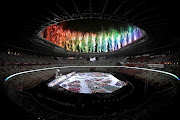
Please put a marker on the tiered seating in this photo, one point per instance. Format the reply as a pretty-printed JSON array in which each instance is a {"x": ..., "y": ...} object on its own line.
[
  {"x": 138, "y": 59},
  {"x": 10, "y": 63},
  {"x": 154, "y": 78},
  {"x": 131, "y": 72},
  {"x": 13, "y": 63},
  {"x": 29, "y": 80}
]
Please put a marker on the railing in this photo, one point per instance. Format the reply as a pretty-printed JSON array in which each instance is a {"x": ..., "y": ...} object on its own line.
[{"x": 145, "y": 69}]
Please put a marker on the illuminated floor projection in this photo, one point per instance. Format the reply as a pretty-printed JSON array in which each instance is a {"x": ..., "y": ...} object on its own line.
[{"x": 90, "y": 82}]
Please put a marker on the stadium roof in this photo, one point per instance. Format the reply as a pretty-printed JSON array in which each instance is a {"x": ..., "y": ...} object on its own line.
[{"x": 24, "y": 19}]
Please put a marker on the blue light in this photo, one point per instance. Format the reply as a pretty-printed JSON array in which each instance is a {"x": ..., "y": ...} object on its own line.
[{"x": 7, "y": 78}]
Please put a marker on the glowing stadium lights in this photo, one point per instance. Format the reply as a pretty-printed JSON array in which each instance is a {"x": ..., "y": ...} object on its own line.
[{"x": 89, "y": 42}]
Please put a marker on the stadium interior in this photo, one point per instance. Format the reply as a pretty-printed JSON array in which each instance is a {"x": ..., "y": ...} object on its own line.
[{"x": 90, "y": 60}]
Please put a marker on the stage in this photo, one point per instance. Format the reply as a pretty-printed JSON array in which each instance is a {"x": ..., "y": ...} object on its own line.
[{"x": 88, "y": 82}]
